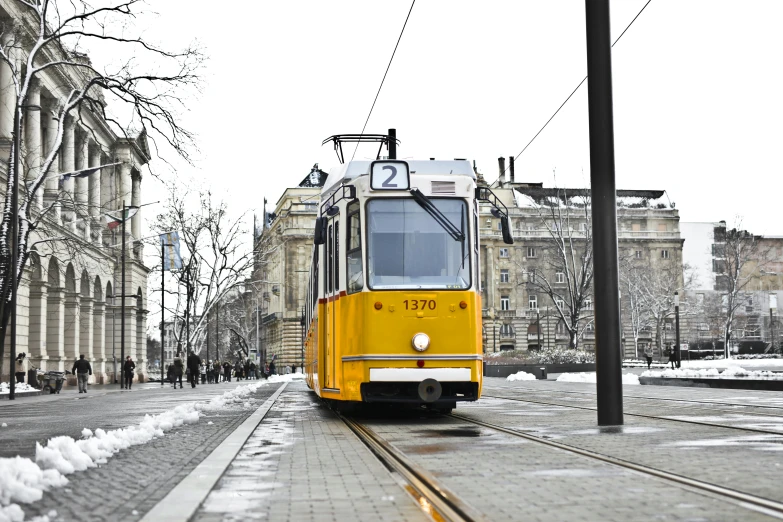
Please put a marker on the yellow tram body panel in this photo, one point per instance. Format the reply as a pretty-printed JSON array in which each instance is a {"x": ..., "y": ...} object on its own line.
[{"x": 353, "y": 334}]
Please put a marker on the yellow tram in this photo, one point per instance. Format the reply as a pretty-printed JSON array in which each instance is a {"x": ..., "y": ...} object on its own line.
[{"x": 394, "y": 304}]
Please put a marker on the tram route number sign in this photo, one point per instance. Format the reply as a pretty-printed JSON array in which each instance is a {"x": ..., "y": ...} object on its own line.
[{"x": 390, "y": 175}]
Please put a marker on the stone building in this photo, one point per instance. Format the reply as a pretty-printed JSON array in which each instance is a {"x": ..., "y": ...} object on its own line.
[
  {"x": 68, "y": 300},
  {"x": 516, "y": 314},
  {"x": 283, "y": 248}
]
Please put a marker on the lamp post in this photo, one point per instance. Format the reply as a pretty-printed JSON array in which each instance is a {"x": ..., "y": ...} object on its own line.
[
  {"x": 677, "y": 328},
  {"x": 538, "y": 327}
]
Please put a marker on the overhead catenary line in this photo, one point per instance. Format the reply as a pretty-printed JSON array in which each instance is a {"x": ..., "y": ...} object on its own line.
[
  {"x": 576, "y": 89},
  {"x": 384, "y": 76}
]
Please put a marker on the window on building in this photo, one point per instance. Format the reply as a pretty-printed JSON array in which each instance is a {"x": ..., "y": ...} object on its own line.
[
  {"x": 588, "y": 304},
  {"x": 505, "y": 304},
  {"x": 531, "y": 251},
  {"x": 722, "y": 283},
  {"x": 661, "y": 227},
  {"x": 703, "y": 327},
  {"x": 664, "y": 254},
  {"x": 560, "y": 303},
  {"x": 504, "y": 275},
  {"x": 353, "y": 256},
  {"x": 506, "y": 330},
  {"x": 638, "y": 254},
  {"x": 590, "y": 327},
  {"x": 719, "y": 266},
  {"x": 559, "y": 277},
  {"x": 636, "y": 227},
  {"x": 561, "y": 328},
  {"x": 500, "y": 225},
  {"x": 719, "y": 250},
  {"x": 504, "y": 252},
  {"x": 532, "y": 302},
  {"x": 532, "y": 276}
]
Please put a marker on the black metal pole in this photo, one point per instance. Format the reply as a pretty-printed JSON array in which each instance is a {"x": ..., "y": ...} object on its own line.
[
  {"x": 122, "y": 305},
  {"x": 538, "y": 324},
  {"x": 217, "y": 327},
  {"x": 14, "y": 249},
  {"x": 677, "y": 354},
  {"x": 392, "y": 143},
  {"x": 609, "y": 383},
  {"x": 162, "y": 305},
  {"x": 187, "y": 313}
]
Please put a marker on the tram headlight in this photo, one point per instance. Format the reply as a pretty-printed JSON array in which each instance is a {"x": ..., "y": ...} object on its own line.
[{"x": 420, "y": 342}]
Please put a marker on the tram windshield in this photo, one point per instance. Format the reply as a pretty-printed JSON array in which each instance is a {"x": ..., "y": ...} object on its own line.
[{"x": 409, "y": 249}]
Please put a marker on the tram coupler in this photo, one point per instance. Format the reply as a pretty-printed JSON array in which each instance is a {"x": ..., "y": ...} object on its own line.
[{"x": 430, "y": 390}]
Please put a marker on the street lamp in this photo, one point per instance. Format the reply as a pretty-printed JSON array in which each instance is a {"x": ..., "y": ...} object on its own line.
[{"x": 677, "y": 327}]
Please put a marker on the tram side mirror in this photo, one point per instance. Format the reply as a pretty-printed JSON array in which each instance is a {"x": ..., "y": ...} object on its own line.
[
  {"x": 506, "y": 230},
  {"x": 320, "y": 231}
]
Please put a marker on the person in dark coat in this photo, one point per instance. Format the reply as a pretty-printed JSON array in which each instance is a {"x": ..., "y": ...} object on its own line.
[
  {"x": 227, "y": 371},
  {"x": 672, "y": 357},
  {"x": 83, "y": 370},
  {"x": 179, "y": 369},
  {"x": 194, "y": 361},
  {"x": 170, "y": 374},
  {"x": 217, "y": 371},
  {"x": 127, "y": 372}
]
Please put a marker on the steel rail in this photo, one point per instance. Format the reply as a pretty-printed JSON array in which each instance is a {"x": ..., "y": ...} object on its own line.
[
  {"x": 701, "y": 423},
  {"x": 746, "y": 500},
  {"x": 440, "y": 499}
]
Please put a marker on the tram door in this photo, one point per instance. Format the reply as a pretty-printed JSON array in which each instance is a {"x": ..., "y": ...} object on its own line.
[{"x": 332, "y": 292}]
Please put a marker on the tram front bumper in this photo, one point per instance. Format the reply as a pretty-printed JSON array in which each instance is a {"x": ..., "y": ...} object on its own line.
[{"x": 435, "y": 386}]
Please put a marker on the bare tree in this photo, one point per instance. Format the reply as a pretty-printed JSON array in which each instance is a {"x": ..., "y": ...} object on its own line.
[
  {"x": 568, "y": 258},
  {"x": 743, "y": 257},
  {"x": 44, "y": 37},
  {"x": 216, "y": 260}
]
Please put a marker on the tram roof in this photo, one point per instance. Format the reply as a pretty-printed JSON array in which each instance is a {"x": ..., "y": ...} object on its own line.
[{"x": 354, "y": 169}]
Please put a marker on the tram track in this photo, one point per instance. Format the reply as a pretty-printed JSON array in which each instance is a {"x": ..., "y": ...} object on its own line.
[
  {"x": 434, "y": 499},
  {"x": 740, "y": 498},
  {"x": 643, "y": 415}
]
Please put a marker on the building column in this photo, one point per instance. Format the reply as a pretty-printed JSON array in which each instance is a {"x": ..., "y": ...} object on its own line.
[
  {"x": 85, "y": 329},
  {"x": 37, "y": 339},
  {"x": 141, "y": 345},
  {"x": 71, "y": 328},
  {"x": 136, "y": 201},
  {"x": 94, "y": 190},
  {"x": 68, "y": 152},
  {"x": 32, "y": 140},
  {"x": 489, "y": 278},
  {"x": 112, "y": 344},
  {"x": 55, "y": 318},
  {"x": 7, "y": 93},
  {"x": 51, "y": 195},
  {"x": 99, "y": 342},
  {"x": 81, "y": 190}
]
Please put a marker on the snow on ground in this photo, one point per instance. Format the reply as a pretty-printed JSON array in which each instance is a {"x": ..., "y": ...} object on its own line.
[
  {"x": 24, "y": 481},
  {"x": 521, "y": 376},
  {"x": 733, "y": 372},
  {"x": 5, "y": 389},
  {"x": 589, "y": 377},
  {"x": 776, "y": 364}
]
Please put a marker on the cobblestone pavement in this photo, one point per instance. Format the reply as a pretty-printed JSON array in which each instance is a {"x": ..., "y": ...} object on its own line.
[
  {"x": 302, "y": 463},
  {"x": 135, "y": 479}
]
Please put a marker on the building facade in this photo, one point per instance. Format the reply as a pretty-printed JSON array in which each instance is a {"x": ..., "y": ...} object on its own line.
[
  {"x": 283, "y": 248},
  {"x": 69, "y": 300}
]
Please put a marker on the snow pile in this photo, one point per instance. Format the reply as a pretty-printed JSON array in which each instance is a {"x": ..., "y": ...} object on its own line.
[
  {"x": 5, "y": 388},
  {"x": 589, "y": 377},
  {"x": 286, "y": 377},
  {"x": 728, "y": 363},
  {"x": 521, "y": 376},
  {"x": 733, "y": 372},
  {"x": 22, "y": 480}
]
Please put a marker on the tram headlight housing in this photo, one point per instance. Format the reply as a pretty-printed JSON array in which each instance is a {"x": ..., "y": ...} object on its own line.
[{"x": 420, "y": 342}]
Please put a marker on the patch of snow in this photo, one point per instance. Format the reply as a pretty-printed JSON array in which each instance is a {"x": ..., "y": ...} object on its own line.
[
  {"x": 286, "y": 377},
  {"x": 4, "y": 425},
  {"x": 521, "y": 376},
  {"x": 732, "y": 372},
  {"x": 727, "y": 363},
  {"x": 589, "y": 377},
  {"x": 5, "y": 388}
]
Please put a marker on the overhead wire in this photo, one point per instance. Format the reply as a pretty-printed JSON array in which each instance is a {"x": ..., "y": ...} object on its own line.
[
  {"x": 576, "y": 89},
  {"x": 384, "y": 76}
]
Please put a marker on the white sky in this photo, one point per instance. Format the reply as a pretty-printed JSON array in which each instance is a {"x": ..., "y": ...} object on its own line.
[{"x": 697, "y": 98}]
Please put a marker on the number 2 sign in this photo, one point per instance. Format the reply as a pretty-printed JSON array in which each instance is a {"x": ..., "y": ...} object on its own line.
[{"x": 389, "y": 175}]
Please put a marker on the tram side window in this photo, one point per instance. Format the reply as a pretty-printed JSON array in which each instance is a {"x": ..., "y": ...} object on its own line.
[
  {"x": 329, "y": 260},
  {"x": 314, "y": 282},
  {"x": 476, "y": 249},
  {"x": 336, "y": 256},
  {"x": 353, "y": 256}
]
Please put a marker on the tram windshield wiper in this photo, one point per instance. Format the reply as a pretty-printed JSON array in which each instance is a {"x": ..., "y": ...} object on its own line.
[{"x": 425, "y": 203}]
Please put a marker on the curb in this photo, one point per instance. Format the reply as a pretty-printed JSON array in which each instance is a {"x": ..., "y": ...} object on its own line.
[{"x": 186, "y": 498}]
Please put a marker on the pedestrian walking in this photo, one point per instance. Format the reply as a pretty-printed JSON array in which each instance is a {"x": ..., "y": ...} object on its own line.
[
  {"x": 20, "y": 367},
  {"x": 83, "y": 370},
  {"x": 203, "y": 370},
  {"x": 672, "y": 357},
  {"x": 170, "y": 374},
  {"x": 128, "y": 368},
  {"x": 216, "y": 370},
  {"x": 266, "y": 372},
  {"x": 179, "y": 369},
  {"x": 272, "y": 368},
  {"x": 253, "y": 370},
  {"x": 648, "y": 355},
  {"x": 238, "y": 370},
  {"x": 227, "y": 371},
  {"x": 194, "y": 361}
]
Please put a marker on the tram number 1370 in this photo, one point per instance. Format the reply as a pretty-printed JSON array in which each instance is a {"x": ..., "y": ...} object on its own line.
[{"x": 419, "y": 304}]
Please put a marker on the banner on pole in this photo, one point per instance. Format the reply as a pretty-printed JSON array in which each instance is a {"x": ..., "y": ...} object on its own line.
[{"x": 169, "y": 242}]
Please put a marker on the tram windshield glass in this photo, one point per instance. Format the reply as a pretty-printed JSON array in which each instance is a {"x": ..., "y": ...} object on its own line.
[{"x": 409, "y": 249}]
